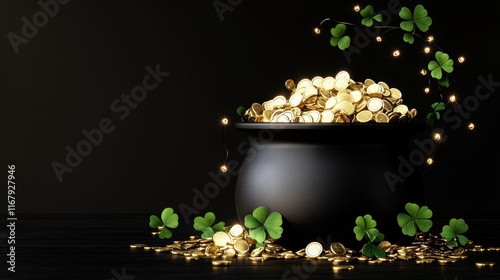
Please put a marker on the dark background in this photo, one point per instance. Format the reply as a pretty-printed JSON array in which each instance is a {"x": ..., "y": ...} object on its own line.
[{"x": 66, "y": 77}]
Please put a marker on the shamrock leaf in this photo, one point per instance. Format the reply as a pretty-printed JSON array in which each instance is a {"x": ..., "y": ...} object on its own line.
[
  {"x": 363, "y": 224},
  {"x": 206, "y": 225},
  {"x": 371, "y": 250},
  {"x": 444, "y": 82},
  {"x": 169, "y": 219},
  {"x": 369, "y": 16},
  {"x": 435, "y": 115},
  {"x": 419, "y": 18},
  {"x": 416, "y": 217},
  {"x": 261, "y": 224},
  {"x": 442, "y": 63},
  {"x": 241, "y": 111},
  {"x": 455, "y": 231},
  {"x": 338, "y": 37},
  {"x": 408, "y": 38}
]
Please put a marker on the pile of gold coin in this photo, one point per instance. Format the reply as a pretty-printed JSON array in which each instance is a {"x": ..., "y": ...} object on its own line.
[
  {"x": 333, "y": 99},
  {"x": 236, "y": 244}
]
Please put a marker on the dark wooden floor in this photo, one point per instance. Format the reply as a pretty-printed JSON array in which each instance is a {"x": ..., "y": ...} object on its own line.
[{"x": 98, "y": 247}]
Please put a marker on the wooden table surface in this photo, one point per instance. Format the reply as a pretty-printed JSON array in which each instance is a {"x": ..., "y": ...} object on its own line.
[{"x": 86, "y": 246}]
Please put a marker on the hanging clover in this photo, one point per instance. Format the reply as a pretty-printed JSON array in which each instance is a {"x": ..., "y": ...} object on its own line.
[
  {"x": 419, "y": 19},
  {"x": 369, "y": 16},
  {"x": 442, "y": 63},
  {"x": 339, "y": 39},
  {"x": 435, "y": 115}
]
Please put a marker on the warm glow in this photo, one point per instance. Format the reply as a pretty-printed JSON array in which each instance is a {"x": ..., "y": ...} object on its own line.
[
  {"x": 427, "y": 90},
  {"x": 357, "y": 8},
  {"x": 471, "y": 126},
  {"x": 437, "y": 137},
  {"x": 225, "y": 121},
  {"x": 317, "y": 30},
  {"x": 223, "y": 168},
  {"x": 430, "y": 39},
  {"x": 423, "y": 72},
  {"x": 379, "y": 39},
  {"x": 430, "y": 161},
  {"x": 396, "y": 53},
  {"x": 461, "y": 59},
  {"x": 427, "y": 50},
  {"x": 453, "y": 98}
]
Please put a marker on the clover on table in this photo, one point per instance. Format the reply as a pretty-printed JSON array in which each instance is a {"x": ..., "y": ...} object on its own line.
[
  {"x": 417, "y": 217},
  {"x": 365, "y": 229},
  {"x": 455, "y": 231},
  {"x": 169, "y": 219},
  {"x": 206, "y": 225},
  {"x": 339, "y": 39},
  {"x": 418, "y": 19},
  {"x": 262, "y": 224}
]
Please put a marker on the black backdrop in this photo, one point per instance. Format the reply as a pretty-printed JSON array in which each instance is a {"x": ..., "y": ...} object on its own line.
[{"x": 71, "y": 76}]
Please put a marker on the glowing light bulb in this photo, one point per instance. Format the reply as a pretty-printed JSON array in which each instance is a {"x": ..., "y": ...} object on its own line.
[
  {"x": 430, "y": 39},
  {"x": 427, "y": 50},
  {"x": 427, "y": 90},
  {"x": 396, "y": 53},
  {"x": 430, "y": 161},
  {"x": 471, "y": 126},
  {"x": 423, "y": 72},
  {"x": 357, "y": 8},
  {"x": 379, "y": 39},
  {"x": 453, "y": 98},
  {"x": 461, "y": 59},
  {"x": 317, "y": 30},
  {"x": 225, "y": 121},
  {"x": 223, "y": 168},
  {"x": 437, "y": 137}
]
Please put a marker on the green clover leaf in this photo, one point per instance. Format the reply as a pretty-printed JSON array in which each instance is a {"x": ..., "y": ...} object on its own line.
[
  {"x": 338, "y": 37},
  {"x": 262, "y": 224},
  {"x": 369, "y": 16},
  {"x": 442, "y": 63},
  {"x": 435, "y": 115},
  {"x": 418, "y": 217},
  {"x": 365, "y": 228},
  {"x": 206, "y": 225},
  {"x": 408, "y": 38},
  {"x": 241, "y": 111},
  {"x": 455, "y": 231},
  {"x": 419, "y": 18},
  {"x": 169, "y": 219}
]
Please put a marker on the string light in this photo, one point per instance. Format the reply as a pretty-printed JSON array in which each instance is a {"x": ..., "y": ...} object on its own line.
[
  {"x": 430, "y": 161},
  {"x": 453, "y": 98},
  {"x": 430, "y": 39},
  {"x": 471, "y": 126},
  {"x": 437, "y": 137},
  {"x": 427, "y": 90},
  {"x": 317, "y": 30},
  {"x": 461, "y": 59},
  {"x": 224, "y": 122},
  {"x": 423, "y": 72},
  {"x": 396, "y": 53},
  {"x": 378, "y": 39},
  {"x": 427, "y": 50},
  {"x": 357, "y": 8}
]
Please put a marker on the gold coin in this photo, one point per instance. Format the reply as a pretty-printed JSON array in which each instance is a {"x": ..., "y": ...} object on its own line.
[
  {"x": 257, "y": 109},
  {"x": 381, "y": 118},
  {"x": 330, "y": 102},
  {"x": 211, "y": 250},
  {"x": 221, "y": 238},
  {"x": 137, "y": 245},
  {"x": 364, "y": 116},
  {"x": 384, "y": 245},
  {"x": 236, "y": 230},
  {"x": 395, "y": 93},
  {"x": 317, "y": 81},
  {"x": 327, "y": 116},
  {"x": 383, "y": 84},
  {"x": 368, "y": 82},
  {"x": 356, "y": 96},
  {"x": 481, "y": 264},
  {"x": 290, "y": 84},
  {"x": 337, "y": 248},
  {"x": 374, "y": 104},
  {"x": 314, "y": 249},
  {"x": 241, "y": 246},
  {"x": 221, "y": 263},
  {"x": 402, "y": 109},
  {"x": 344, "y": 96},
  {"x": 328, "y": 83},
  {"x": 310, "y": 91},
  {"x": 347, "y": 107},
  {"x": 230, "y": 252},
  {"x": 279, "y": 101},
  {"x": 304, "y": 83},
  {"x": 257, "y": 251},
  {"x": 342, "y": 267}
]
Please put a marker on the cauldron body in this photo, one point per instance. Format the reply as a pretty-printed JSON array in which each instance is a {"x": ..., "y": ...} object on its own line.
[{"x": 321, "y": 177}]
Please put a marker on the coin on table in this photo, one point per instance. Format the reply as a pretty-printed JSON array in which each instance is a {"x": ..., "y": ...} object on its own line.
[
  {"x": 314, "y": 249},
  {"x": 337, "y": 248},
  {"x": 241, "y": 246},
  {"x": 221, "y": 238}
]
